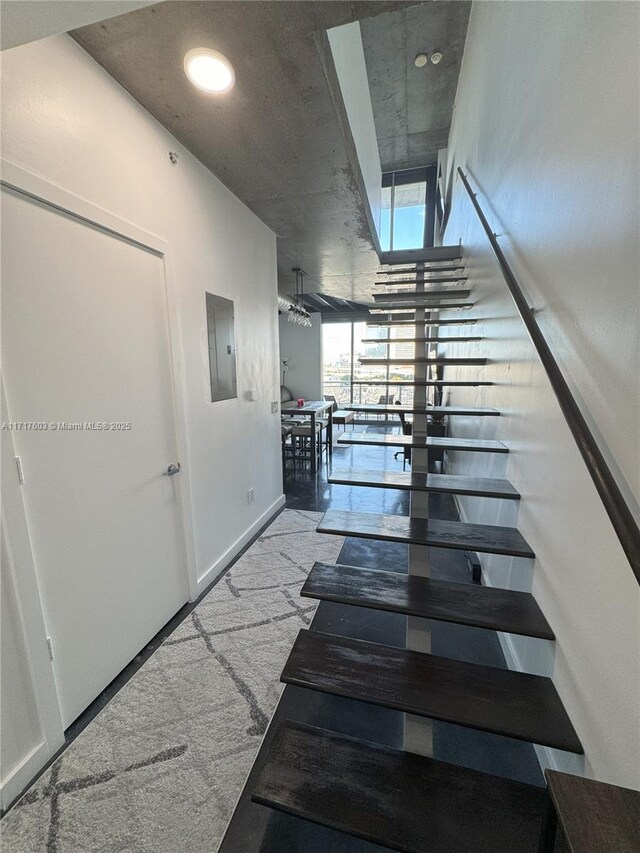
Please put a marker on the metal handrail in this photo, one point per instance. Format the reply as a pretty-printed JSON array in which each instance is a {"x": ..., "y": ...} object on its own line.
[{"x": 615, "y": 505}]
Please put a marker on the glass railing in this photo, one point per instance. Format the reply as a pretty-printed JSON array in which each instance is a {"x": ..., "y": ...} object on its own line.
[{"x": 363, "y": 392}]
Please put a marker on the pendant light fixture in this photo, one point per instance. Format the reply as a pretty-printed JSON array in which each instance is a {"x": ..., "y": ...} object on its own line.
[{"x": 297, "y": 312}]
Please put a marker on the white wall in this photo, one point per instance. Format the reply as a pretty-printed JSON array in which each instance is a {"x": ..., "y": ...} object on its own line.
[
  {"x": 348, "y": 58},
  {"x": 546, "y": 123},
  {"x": 552, "y": 137},
  {"x": 303, "y": 348},
  {"x": 66, "y": 120},
  {"x": 28, "y": 20}
]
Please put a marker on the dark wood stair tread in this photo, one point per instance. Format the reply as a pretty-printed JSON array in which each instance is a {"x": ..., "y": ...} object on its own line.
[
  {"x": 398, "y": 592},
  {"x": 399, "y": 800},
  {"x": 421, "y": 340},
  {"x": 413, "y": 270},
  {"x": 485, "y": 538},
  {"x": 515, "y": 704},
  {"x": 410, "y": 321},
  {"x": 433, "y": 305},
  {"x": 436, "y": 279},
  {"x": 390, "y": 409},
  {"x": 380, "y": 439},
  {"x": 430, "y": 254},
  {"x": 422, "y": 383},
  {"x": 595, "y": 816},
  {"x": 409, "y": 295},
  {"x": 423, "y": 360},
  {"x": 448, "y": 484}
]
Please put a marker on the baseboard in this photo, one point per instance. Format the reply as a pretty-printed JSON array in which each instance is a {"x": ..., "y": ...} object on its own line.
[
  {"x": 22, "y": 774},
  {"x": 221, "y": 564}
]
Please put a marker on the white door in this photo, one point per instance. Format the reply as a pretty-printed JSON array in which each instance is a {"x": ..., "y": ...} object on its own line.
[{"x": 84, "y": 342}]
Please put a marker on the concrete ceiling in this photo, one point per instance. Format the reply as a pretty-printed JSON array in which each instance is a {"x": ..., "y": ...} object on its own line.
[
  {"x": 276, "y": 140},
  {"x": 412, "y": 106}
]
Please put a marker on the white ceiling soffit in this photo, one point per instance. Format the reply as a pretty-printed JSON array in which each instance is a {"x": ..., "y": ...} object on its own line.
[
  {"x": 22, "y": 21},
  {"x": 349, "y": 62}
]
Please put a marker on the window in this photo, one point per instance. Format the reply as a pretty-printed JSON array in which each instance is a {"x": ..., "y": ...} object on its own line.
[
  {"x": 408, "y": 209},
  {"x": 374, "y": 373},
  {"x": 344, "y": 378},
  {"x": 337, "y": 361}
]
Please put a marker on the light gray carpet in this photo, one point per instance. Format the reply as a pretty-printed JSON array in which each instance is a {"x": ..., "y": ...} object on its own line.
[{"x": 159, "y": 770}]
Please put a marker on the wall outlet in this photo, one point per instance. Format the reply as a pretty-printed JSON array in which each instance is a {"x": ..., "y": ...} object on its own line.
[
  {"x": 251, "y": 496},
  {"x": 274, "y": 408}
]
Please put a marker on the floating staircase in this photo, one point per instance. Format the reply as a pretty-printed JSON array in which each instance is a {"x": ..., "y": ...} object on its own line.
[
  {"x": 424, "y": 360},
  {"x": 394, "y": 798},
  {"x": 453, "y": 279},
  {"x": 432, "y": 304},
  {"x": 486, "y": 538},
  {"x": 393, "y": 271},
  {"x": 394, "y": 409},
  {"x": 435, "y": 340},
  {"x": 427, "y": 383},
  {"x": 373, "y": 439},
  {"x": 397, "y": 592},
  {"x": 424, "y": 295},
  {"x": 409, "y": 481},
  {"x": 410, "y": 319},
  {"x": 422, "y": 258},
  {"x": 515, "y": 704}
]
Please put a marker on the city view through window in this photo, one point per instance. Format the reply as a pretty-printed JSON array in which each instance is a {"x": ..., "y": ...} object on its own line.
[{"x": 350, "y": 382}]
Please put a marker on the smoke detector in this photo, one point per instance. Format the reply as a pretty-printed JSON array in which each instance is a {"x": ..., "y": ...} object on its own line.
[{"x": 436, "y": 57}]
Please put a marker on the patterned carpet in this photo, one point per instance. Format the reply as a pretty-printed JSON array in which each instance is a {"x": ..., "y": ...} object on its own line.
[{"x": 160, "y": 768}]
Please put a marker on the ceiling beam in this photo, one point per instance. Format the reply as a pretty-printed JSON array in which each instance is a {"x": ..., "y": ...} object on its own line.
[{"x": 318, "y": 300}]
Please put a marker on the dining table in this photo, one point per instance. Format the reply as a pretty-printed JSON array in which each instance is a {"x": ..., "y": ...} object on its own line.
[{"x": 313, "y": 408}]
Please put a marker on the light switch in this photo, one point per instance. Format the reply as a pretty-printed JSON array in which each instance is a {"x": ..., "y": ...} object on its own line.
[
  {"x": 274, "y": 408},
  {"x": 253, "y": 394}
]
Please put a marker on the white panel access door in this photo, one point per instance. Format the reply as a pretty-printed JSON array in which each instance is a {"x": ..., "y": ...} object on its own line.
[{"x": 86, "y": 360}]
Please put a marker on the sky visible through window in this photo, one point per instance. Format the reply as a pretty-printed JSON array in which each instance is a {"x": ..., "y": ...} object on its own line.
[
  {"x": 344, "y": 378},
  {"x": 408, "y": 216}
]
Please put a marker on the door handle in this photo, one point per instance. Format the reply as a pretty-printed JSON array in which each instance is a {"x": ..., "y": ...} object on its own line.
[{"x": 172, "y": 469}]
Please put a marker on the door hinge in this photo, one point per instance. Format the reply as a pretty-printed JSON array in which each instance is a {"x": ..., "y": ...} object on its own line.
[
  {"x": 50, "y": 647},
  {"x": 20, "y": 470}
]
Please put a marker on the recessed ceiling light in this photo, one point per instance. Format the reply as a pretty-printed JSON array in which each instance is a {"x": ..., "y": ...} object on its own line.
[
  {"x": 436, "y": 57},
  {"x": 421, "y": 60},
  {"x": 209, "y": 70}
]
